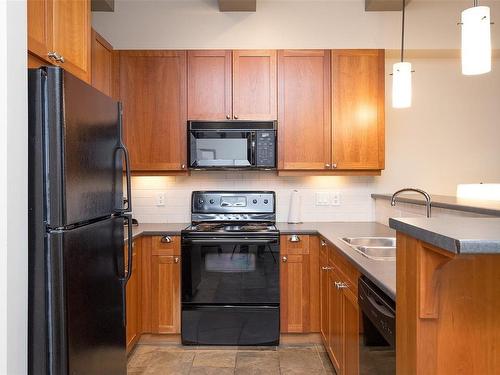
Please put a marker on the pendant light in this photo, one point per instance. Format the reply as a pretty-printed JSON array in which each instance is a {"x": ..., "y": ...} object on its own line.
[
  {"x": 401, "y": 74},
  {"x": 476, "y": 40}
]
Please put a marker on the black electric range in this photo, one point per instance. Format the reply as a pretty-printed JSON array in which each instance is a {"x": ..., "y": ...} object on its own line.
[{"x": 230, "y": 270}]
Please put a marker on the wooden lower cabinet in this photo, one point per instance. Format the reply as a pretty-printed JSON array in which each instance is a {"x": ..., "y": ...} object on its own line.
[
  {"x": 153, "y": 292},
  {"x": 165, "y": 293},
  {"x": 299, "y": 284},
  {"x": 133, "y": 297},
  {"x": 339, "y": 310}
]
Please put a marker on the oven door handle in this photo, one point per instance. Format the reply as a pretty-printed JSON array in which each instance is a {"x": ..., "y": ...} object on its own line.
[{"x": 257, "y": 241}]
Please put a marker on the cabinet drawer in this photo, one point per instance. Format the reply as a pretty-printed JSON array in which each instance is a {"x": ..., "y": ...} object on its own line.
[
  {"x": 295, "y": 244},
  {"x": 165, "y": 245}
]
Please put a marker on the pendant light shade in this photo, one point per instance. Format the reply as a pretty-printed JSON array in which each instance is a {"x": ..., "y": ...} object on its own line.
[
  {"x": 401, "y": 74},
  {"x": 476, "y": 40},
  {"x": 401, "y": 85}
]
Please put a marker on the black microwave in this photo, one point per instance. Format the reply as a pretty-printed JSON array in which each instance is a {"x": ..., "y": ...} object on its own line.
[{"x": 232, "y": 145}]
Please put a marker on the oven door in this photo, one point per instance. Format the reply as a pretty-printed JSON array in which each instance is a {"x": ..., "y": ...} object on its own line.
[
  {"x": 220, "y": 270},
  {"x": 221, "y": 149}
]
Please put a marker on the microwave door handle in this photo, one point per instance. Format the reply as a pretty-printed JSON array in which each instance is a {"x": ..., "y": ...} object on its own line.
[{"x": 252, "y": 149}]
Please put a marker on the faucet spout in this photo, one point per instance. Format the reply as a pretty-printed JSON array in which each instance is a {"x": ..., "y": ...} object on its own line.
[{"x": 415, "y": 190}]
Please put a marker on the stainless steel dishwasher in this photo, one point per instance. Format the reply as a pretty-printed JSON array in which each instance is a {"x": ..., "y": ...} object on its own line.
[{"x": 377, "y": 352}]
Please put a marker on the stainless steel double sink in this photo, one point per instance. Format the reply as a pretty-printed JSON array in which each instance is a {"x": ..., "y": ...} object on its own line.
[{"x": 376, "y": 248}]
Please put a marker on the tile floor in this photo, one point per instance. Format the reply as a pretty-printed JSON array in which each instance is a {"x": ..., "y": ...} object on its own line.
[{"x": 173, "y": 358}]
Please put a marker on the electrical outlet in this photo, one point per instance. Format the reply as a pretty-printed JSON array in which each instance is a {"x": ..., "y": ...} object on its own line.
[
  {"x": 160, "y": 199},
  {"x": 335, "y": 198},
  {"x": 322, "y": 198}
]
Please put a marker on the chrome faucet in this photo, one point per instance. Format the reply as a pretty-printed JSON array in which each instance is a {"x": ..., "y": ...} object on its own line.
[{"x": 424, "y": 193}]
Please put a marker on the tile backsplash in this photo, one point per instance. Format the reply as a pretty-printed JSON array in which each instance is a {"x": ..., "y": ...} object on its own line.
[{"x": 354, "y": 193}]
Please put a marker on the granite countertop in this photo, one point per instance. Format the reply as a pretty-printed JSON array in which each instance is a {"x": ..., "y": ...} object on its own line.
[
  {"x": 448, "y": 202},
  {"x": 461, "y": 235},
  {"x": 382, "y": 273}
]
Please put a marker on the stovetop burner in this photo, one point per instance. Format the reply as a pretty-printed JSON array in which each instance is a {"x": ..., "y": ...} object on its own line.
[{"x": 232, "y": 227}]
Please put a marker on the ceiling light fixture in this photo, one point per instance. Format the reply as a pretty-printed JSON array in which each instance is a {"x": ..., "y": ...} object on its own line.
[
  {"x": 476, "y": 40},
  {"x": 401, "y": 74}
]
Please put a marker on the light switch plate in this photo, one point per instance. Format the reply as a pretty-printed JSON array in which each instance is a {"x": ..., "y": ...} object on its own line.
[
  {"x": 335, "y": 198},
  {"x": 160, "y": 199},
  {"x": 322, "y": 198}
]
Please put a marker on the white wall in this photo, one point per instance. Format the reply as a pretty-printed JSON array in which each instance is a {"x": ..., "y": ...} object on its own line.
[
  {"x": 13, "y": 188},
  {"x": 449, "y": 136}
]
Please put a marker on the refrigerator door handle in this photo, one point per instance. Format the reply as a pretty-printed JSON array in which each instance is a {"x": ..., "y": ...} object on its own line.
[
  {"x": 128, "y": 177},
  {"x": 123, "y": 148},
  {"x": 130, "y": 254}
]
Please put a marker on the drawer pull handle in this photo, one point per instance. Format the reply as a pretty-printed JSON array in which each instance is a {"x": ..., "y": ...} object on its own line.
[
  {"x": 284, "y": 259},
  {"x": 166, "y": 239},
  {"x": 326, "y": 268},
  {"x": 340, "y": 285},
  {"x": 294, "y": 238},
  {"x": 176, "y": 260}
]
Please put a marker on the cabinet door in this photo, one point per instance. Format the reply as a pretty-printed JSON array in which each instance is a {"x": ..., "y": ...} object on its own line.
[
  {"x": 71, "y": 34},
  {"x": 132, "y": 298},
  {"x": 335, "y": 324},
  {"x": 165, "y": 294},
  {"x": 304, "y": 110},
  {"x": 351, "y": 332},
  {"x": 40, "y": 27},
  {"x": 324, "y": 280},
  {"x": 209, "y": 85},
  {"x": 294, "y": 286},
  {"x": 102, "y": 64},
  {"x": 358, "y": 109},
  {"x": 254, "y": 85},
  {"x": 153, "y": 92}
]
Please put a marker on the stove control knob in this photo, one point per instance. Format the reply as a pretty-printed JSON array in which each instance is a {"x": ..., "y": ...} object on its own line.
[
  {"x": 200, "y": 201},
  {"x": 254, "y": 201},
  {"x": 212, "y": 201},
  {"x": 266, "y": 201}
]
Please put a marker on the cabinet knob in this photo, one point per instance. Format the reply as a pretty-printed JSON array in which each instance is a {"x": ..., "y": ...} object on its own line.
[
  {"x": 166, "y": 239},
  {"x": 323, "y": 243},
  {"x": 235, "y": 117},
  {"x": 334, "y": 165},
  {"x": 327, "y": 165},
  {"x": 294, "y": 238},
  {"x": 228, "y": 117},
  {"x": 183, "y": 166},
  {"x": 284, "y": 259},
  {"x": 176, "y": 260}
]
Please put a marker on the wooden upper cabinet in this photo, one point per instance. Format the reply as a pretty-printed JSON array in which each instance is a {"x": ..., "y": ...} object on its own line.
[
  {"x": 40, "y": 27},
  {"x": 102, "y": 64},
  {"x": 71, "y": 35},
  {"x": 358, "y": 92},
  {"x": 304, "y": 109},
  {"x": 62, "y": 27},
  {"x": 209, "y": 85},
  {"x": 153, "y": 88},
  {"x": 254, "y": 85}
]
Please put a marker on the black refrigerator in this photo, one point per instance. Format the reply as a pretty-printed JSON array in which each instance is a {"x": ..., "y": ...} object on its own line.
[{"x": 77, "y": 276}]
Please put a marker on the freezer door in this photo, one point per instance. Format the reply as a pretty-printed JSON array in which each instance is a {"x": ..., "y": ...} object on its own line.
[
  {"x": 86, "y": 300},
  {"x": 84, "y": 169}
]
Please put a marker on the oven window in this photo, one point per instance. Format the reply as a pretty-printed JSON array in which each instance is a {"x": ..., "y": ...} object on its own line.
[
  {"x": 220, "y": 149},
  {"x": 230, "y": 273}
]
